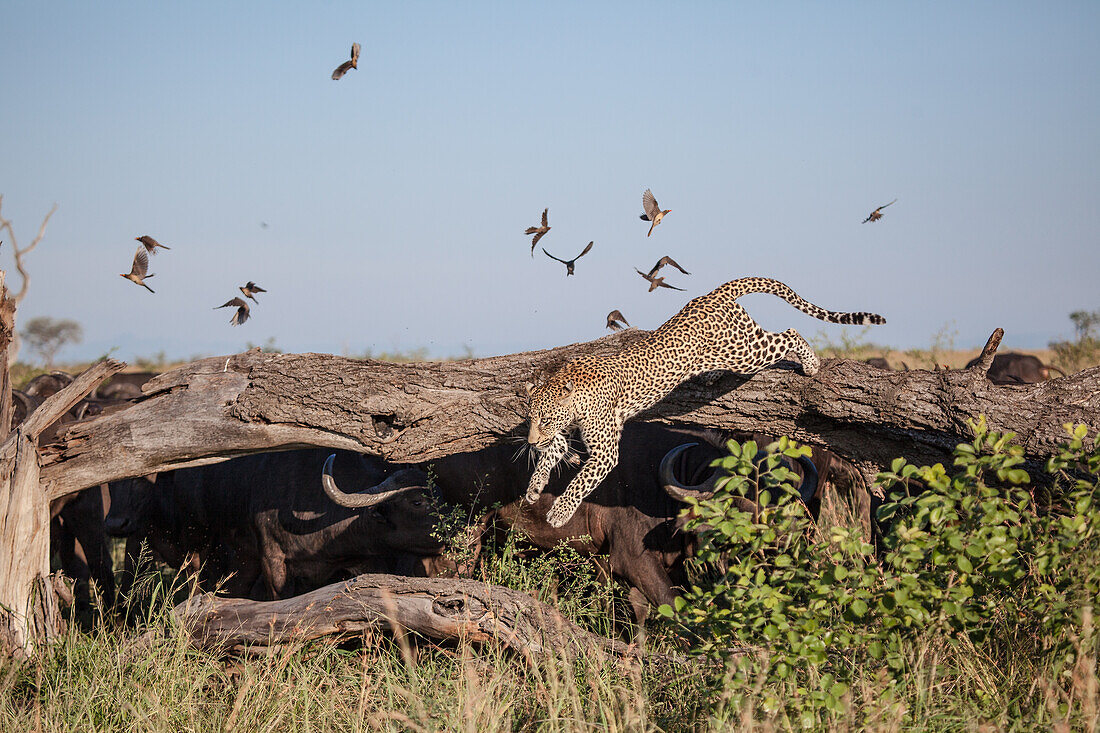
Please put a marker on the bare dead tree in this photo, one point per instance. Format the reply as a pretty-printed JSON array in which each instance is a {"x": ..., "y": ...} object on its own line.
[{"x": 19, "y": 255}]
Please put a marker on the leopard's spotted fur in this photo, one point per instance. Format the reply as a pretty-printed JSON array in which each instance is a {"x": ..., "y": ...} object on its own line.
[{"x": 599, "y": 394}]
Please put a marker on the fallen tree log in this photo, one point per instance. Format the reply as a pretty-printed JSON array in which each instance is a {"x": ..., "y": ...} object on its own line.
[
  {"x": 28, "y": 603},
  {"x": 217, "y": 408},
  {"x": 438, "y": 608}
]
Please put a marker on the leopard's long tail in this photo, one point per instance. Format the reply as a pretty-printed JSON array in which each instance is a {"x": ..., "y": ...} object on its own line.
[{"x": 747, "y": 285}]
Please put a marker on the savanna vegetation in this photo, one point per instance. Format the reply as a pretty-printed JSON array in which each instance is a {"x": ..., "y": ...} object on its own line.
[{"x": 976, "y": 612}]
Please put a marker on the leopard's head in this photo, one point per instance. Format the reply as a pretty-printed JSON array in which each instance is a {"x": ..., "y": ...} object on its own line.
[{"x": 550, "y": 410}]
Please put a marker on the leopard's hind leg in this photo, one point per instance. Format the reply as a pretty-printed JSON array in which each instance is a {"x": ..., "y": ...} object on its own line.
[{"x": 767, "y": 348}]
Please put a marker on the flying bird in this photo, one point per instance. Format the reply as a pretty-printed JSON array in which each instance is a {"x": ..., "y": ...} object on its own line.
[
  {"x": 539, "y": 231},
  {"x": 656, "y": 282},
  {"x": 613, "y": 319},
  {"x": 139, "y": 268},
  {"x": 569, "y": 264},
  {"x": 250, "y": 289},
  {"x": 666, "y": 260},
  {"x": 150, "y": 244},
  {"x": 352, "y": 63},
  {"x": 876, "y": 214},
  {"x": 242, "y": 311},
  {"x": 653, "y": 212}
]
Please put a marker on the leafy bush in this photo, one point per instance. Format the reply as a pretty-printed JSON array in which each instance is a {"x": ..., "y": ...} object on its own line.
[{"x": 973, "y": 556}]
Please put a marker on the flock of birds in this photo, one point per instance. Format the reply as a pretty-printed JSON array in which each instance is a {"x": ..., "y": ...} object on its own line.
[
  {"x": 139, "y": 272},
  {"x": 652, "y": 212}
]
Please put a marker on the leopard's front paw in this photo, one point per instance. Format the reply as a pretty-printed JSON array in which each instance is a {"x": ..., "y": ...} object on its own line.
[
  {"x": 560, "y": 513},
  {"x": 534, "y": 490}
]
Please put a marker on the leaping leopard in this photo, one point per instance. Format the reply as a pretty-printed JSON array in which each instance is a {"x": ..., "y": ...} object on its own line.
[{"x": 599, "y": 394}]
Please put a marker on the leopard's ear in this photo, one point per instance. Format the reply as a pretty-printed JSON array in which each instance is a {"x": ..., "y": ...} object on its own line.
[
  {"x": 530, "y": 387},
  {"x": 567, "y": 393}
]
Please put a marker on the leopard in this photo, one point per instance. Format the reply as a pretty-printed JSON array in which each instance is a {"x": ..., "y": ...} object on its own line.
[{"x": 599, "y": 393}]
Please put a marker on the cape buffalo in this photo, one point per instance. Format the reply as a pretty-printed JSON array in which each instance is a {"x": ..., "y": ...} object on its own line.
[
  {"x": 631, "y": 518},
  {"x": 1013, "y": 368},
  {"x": 124, "y": 386},
  {"x": 261, "y": 519}
]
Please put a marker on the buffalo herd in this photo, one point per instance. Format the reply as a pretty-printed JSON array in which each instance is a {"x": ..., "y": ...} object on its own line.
[{"x": 275, "y": 525}]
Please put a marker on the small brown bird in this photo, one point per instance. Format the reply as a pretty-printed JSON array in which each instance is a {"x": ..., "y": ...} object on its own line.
[
  {"x": 539, "y": 231},
  {"x": 613, "y": 319},
  {"x": 150, "y": 244},
  {"x": 656, "y": 282},
  {"x": 653, "y": 212},
  {"x": 139, "y": 268},
  {"x": 569, "y": 264},
  {"x": 250, "y": 289},
  {"x": 666, "y": 260},
  {"x": 876, "y": 214},
  {"x": 242, "y": 311},
  {"x": 352, "y": 63}
]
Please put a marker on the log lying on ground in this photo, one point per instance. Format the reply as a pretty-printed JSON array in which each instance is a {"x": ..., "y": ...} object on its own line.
[
  {"x": 412, "y": 412},
  {"x": 438, "y": 608}
]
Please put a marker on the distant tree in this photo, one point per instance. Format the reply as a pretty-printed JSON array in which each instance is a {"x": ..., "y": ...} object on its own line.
[
  {"x": 19, "y": 253},
  {"x": 46, "y": 336},
  {"x": 1084, "y": 350}
]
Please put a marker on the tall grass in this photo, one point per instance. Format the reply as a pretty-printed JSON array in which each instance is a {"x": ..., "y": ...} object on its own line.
[{"x": 111, "y": 678}]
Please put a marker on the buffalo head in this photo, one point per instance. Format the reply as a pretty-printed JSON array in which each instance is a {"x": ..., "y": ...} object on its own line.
[
  {"x": 403, "y": 503},
  {"x": 702, "y": 484}
]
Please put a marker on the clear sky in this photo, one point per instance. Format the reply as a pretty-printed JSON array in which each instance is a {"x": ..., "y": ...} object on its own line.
[{"x": 396, "y": 199}]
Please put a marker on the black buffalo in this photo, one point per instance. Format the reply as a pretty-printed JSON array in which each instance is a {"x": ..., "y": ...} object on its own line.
[
  {"x": 124, "y": 386},
  {"x": 1013, "y": 368},
  {"x": 630, "y": 522},
  {"x": 262, "y": 529}
]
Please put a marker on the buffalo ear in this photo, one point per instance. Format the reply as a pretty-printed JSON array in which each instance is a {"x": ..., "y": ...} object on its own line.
[{"x": 151, "y": 478}]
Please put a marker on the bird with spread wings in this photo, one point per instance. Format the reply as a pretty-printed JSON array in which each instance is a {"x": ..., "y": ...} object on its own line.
[
  {"x": 569, "y": 264},
  {"x": 138, "y": 270},
  {"x": 539, "y": 231},
  {"x": 242, "y": 310},
  {"x": 616, "y": 320},
  {"x": 877, "y": 213},
  {"x": 652, "y": 210},
  {"x": 352, "y": 63}
]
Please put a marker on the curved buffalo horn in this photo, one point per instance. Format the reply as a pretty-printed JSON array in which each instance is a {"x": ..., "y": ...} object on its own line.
[
  {"x": 672, "y": 486},
  {"x": 370, "y": 497},
  {"x": 681, "y": 492},
  {"x": 810, "y": 480}
]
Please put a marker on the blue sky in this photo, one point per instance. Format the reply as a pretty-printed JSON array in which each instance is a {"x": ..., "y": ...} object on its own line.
[{"x": 396, "y": 198}]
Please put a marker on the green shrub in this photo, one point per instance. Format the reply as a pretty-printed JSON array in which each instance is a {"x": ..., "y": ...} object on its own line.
[{"x": 973, "y": 556}]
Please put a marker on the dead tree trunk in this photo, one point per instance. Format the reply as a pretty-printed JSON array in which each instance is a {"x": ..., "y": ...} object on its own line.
[
  {"x": 28, "y": 602},
  {"x": 438, "y": 608},
  {"x": 217, "y": 408}
]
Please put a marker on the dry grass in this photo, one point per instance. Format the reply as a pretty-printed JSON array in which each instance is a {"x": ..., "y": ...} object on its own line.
[{"x": 102, "y": 681}]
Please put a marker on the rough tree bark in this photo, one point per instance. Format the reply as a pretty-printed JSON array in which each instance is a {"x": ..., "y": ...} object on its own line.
[
  {"x": 434, "y": 607},
  {"x": 28, "y": 601},
  {"x": 220, "y": 407}
]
